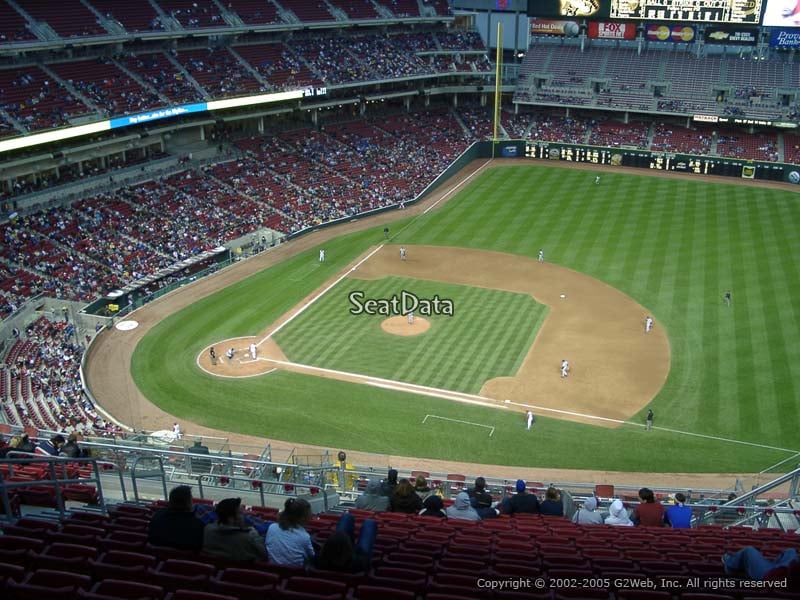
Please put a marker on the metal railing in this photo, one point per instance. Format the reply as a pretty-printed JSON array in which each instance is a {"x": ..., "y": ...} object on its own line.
[
  {"x": 58, "y": 478},
  {"x": 759, "y": 507}
]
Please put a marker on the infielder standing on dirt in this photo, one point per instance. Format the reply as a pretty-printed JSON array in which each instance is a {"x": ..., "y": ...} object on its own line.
[
  {"x": 253, "y": 351},
  {"x": 564, "y": 368},
  {"x": 402, "y": 252},
  {"x": 541, "y": 254},
  {"x": 648, "y": 324}
]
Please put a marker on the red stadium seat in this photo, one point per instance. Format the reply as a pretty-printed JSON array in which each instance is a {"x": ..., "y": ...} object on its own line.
[
  {"x": 246, "y": 584},
  {"x": 175, "y": 574}
]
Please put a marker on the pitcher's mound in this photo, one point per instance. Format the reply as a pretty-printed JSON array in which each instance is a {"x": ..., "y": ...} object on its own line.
[{"x": 401, "y": 326}]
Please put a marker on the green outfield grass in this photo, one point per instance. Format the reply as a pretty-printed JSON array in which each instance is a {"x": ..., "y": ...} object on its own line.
[
  {"x": 673, "y": 245},
  {"x": 488, "y": 335}
]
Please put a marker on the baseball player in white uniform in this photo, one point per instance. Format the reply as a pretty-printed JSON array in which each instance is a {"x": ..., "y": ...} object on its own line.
[
  {"x": 402, "y": 252},
  {"x": 411, "y": 318},
  {"x": 253, "y": 351},
  {"x": 564, "y": 368},
  {"x": 529, "y": 419},
  {"x": 322, "y": 255},
  {"x": 541, "y": 255},
  {"x": 648, "y": 324}
]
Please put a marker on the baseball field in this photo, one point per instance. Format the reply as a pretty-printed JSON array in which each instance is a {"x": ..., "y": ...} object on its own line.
[{"x": 721, "y": 379}]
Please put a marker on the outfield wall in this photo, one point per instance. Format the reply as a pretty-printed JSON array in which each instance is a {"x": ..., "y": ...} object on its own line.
[{"x": 642, "y": 159}]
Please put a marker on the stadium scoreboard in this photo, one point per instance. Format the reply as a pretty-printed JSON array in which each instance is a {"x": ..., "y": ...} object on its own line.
[{"x": 735, "y": 12}]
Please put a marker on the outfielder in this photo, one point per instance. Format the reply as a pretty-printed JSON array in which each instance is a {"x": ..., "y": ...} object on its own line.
[
  {"x": 529, "y": 419},
  {"x": 322, "y": 255}
]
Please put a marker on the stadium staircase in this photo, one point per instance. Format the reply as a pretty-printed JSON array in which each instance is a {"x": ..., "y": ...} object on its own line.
[
  {"x": 169, "y": 22},
  {"x": 185, "y": 73},
  {"x": 40, "y": 29},
  {"x": 250, "y": 69},
  {"x": 111, "y": 25},
  {"x": 142, "y": 82},
  {"x": 231, "y": 18},
  {"x": 9, "y": 119},
  {"x": 71, "y": 88}
]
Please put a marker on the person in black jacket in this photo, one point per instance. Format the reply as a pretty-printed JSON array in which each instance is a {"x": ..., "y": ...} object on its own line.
[
  {"x": 522, "y": 501},
  {"x": 177, "y": 526}
]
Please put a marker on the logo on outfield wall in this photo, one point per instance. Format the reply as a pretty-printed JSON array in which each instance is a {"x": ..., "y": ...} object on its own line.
[
  {"x": 723, "y": 35},
  {"x": 785, "y": 38},
  {"x": 509, "y": 151},
  {"x": 670, "y": 33},
  {"x": 794, "y": 177},
  {"x": 612, "y": 31}
]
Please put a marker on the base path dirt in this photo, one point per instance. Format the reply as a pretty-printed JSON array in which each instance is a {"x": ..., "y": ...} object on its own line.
[{"x": 108, "y": 360}]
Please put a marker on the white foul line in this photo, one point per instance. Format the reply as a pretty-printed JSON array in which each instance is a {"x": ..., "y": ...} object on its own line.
[
  {"x": 668, "y": 430},
  {"x": 458, "y": 185},
  {"x": 303, "y": 308},
  {"x": 489, "y": 427}
]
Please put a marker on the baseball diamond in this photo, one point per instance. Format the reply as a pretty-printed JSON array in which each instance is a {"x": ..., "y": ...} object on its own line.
[{"x": 659, "y": 246}]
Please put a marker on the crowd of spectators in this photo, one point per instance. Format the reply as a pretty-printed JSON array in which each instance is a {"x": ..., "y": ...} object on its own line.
[
  {"x": 453, "y": 500},
  {"x": 219, "y": 72},
  {"x": 287, "y": 182},
  {"x": 157, "y": 70},
  {"x": 753, "y": 146},
  {"x": 615, "y": 134},
  {"x": 40, "y": 383},
  {"x": 38, "y": 102},
  {"x": 89, "y": 167},
  {"x": 672, "y": 138},
  {"x": 548, "y": 127}
]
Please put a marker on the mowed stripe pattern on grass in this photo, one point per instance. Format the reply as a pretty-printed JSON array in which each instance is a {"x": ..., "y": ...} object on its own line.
[
  {"x": 675, "y": 246},
  {"x": 488, "y": 336}
]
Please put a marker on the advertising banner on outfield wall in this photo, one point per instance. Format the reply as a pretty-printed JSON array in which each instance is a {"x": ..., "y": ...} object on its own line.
[
  {"x": 554, "y": 27},
  {"x": 670, "y": 33},
  {"x": 612, "y": 31},
  {"x": 725, "y": 35},
  {"x": 785, "y": 38}
]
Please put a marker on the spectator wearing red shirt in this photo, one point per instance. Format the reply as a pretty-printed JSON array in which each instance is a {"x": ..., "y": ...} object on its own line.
[{"x": 649, "y": 513}]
